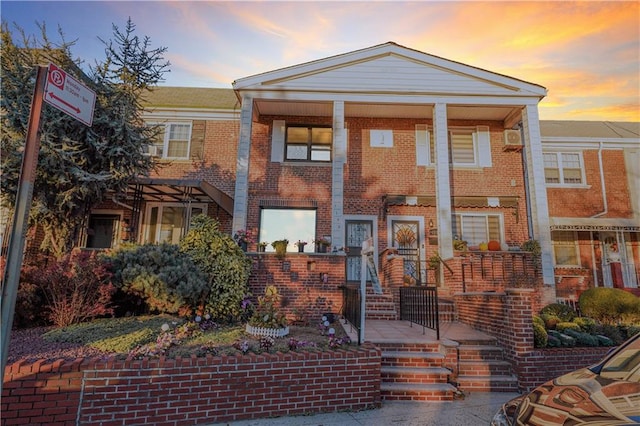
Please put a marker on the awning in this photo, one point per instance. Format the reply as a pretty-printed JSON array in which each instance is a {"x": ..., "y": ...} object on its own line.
[
  {"x": 593, "y": 224},
  {"x": 457, "y": 201},
  {"x": 181, "y": 190}
]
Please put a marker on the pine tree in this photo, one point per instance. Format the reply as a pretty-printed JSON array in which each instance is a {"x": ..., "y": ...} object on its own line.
[{"x": 78, "y": 166}]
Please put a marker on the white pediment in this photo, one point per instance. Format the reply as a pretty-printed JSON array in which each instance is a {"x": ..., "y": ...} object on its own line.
[{"x": 390, "y": 68}]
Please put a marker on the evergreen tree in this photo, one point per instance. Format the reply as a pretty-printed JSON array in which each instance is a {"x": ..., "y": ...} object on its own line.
[{"x": 78, "y": 166}]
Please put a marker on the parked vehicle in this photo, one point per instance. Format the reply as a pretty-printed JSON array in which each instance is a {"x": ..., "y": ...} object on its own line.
[{"x": 607, "y": 393}]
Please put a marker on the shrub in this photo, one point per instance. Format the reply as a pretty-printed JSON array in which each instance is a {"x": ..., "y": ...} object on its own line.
[
  {"x": 553, "y": 341},
  {"x": 582, "y": 339},
  {"x": 166, "y": 279},
  {"x": 565, "y": 312},
  {"x": 611, "y": 331},
  {"x": 586, "y": 324},
  {"x": 74, "y": 289},
  {"x": 540, "y": 337},
  {"x": 538, "y": 320},
  {"x": 565, "y": 340},
  {"x": 632, "y": 330},
  {"x": 550, "y": 321},
  {"x": 610, "y": 305},
  {"x": 225, "y": 265},
  {"x": 563, "y": 326}
]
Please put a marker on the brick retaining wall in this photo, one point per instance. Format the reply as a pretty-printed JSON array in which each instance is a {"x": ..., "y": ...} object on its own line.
[{"x": 190, "y": 391}]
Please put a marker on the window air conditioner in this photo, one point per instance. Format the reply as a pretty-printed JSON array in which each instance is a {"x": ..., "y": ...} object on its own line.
[{"x": 512, "y": 140}]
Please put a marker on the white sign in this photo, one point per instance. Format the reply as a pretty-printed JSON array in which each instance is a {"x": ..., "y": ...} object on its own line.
[{"x": 69, "y": 95}]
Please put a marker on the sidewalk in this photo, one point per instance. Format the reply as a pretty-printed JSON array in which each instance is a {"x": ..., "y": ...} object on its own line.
[{"x": 475, "y": 410}]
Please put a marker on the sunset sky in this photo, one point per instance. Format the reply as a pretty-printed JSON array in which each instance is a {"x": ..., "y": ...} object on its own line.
[{"x": 587, "y": 54}]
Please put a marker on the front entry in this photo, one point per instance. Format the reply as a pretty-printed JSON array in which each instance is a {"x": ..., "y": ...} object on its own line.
[
  {"x": 405, "y": 236},
  {"x": 357, "y": 231},
  {"x": 617, "y": 263}
]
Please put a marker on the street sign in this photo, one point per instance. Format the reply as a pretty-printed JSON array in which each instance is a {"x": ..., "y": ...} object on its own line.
[{"x": 67, "y": 94}]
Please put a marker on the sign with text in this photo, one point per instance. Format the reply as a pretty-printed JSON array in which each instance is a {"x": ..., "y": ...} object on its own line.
[{"x": 67, "y": 94}]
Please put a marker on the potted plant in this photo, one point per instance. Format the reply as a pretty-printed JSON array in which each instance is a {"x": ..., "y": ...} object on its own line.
[
  {"x": 280, "y": 247},
  {"x": 322, "y": 244},
  {"x": 266, "y": 319},
  {"x": 300, "y": 244},
  {"x": 262, "y": 246},
  {"x": 243, "y": 237}
]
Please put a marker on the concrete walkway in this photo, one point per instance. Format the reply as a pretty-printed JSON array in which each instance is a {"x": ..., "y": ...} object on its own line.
[{"x": 474, "y": 410}]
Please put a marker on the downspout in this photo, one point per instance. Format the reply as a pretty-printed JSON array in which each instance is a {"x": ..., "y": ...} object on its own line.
[
  {"x": 604, "y": 189},
  {"x": 527, "y": 193}
]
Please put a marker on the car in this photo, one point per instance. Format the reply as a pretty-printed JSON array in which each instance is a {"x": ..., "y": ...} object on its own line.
[{"x": 607, "y": 393}]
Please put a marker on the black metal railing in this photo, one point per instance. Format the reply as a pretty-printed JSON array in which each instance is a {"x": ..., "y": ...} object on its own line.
[
  {"x": 351, "y": 308},
  {"x": 419, "y": 305}
]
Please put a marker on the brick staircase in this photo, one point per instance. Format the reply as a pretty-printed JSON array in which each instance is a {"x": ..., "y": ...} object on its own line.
[
  {"x": 414, "y": 372},
  {"x": 482, "y": 367},
  {"x": 380, "y": 307}
]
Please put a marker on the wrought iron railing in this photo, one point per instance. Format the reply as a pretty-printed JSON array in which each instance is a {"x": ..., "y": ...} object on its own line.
[
  {"x": 419, "y": 305},
  {"x": 351, "y": 308}
]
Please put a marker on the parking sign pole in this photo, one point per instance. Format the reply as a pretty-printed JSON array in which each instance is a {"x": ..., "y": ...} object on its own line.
[{"x": 24, "y": 195}]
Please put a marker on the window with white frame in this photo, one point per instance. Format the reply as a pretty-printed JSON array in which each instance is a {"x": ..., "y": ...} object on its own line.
[
  {"x": 470, "y": 147},
  {"x": 168, "y": 222},
  {"x": 476, "y": 228},
  {"x": 308, "y": 143},
  {"x": 563, "y": 168},
  {"x": 565, "y": 248},
  {"x": 290, "y": 224},
  {"x": 173, "y": 142}
]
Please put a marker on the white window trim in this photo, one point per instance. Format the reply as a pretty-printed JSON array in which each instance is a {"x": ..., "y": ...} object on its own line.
[
  {"x": 481, "y": 143},
  {"x": 485, "y": 215},
  {"x": 147, "y": 214},
  {"x": 167, "y": 131},
  {"x": 561, "y": 184}
]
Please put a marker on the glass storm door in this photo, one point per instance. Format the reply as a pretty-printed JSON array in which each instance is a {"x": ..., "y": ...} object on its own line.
[
  {"x": 406, "y": 238},
  {"x": 357, "y": 231}
]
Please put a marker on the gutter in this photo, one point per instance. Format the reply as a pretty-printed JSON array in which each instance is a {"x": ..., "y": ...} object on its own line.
[{"x": 604, "y": 189}]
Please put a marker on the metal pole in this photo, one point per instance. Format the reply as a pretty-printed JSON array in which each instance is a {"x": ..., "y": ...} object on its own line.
[{"x": 15, "y": 251}]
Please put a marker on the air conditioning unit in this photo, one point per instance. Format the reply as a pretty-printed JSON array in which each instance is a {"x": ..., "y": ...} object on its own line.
[
  {"x": 152, "y": 151},
  {"x": 512, "y": 140}
]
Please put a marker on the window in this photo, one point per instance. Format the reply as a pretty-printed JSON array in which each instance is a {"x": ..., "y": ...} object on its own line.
[
  {"x": 470, "y": 147},
  {"x": 173, "y": 142},
  {"x": 291, "y": 224},
  {"x": 565, "y": 250},
  {"x": 102, "y": 230},
  {"x": 306, "y": 143},
  {"x": 477, "y": 228},
  {"x": 168, "y": 222},
  {"x": 563, "y": 168}
]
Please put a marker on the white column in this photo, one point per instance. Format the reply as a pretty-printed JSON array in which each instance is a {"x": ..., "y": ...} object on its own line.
[
  {"x": 337, "y": 175},
  {"x": 240, "y": 200},
  {"x": 538, "y": 190},
  {"x": 443, "y": 184}
]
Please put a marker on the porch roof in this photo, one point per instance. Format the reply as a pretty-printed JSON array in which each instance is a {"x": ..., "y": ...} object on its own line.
[
  {"x": 594, "y": 224},
  {"x": 182, "y": 190}
]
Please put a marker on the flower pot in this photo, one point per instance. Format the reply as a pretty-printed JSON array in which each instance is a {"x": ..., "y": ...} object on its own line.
[
  {"x": 321, "y": 248},
  {"x": 243, "y": 245},
  {"x": 300, "y": 249},
  {"x": 261, "y": 248}
]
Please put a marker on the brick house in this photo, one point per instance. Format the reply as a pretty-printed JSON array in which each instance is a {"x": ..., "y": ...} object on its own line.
[{"x": 416, "y": 151}]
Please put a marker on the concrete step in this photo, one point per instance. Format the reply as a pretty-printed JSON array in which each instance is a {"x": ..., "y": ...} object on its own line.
[
  {"x": 417, "y": 392},
  {"x": 484, "y": 368},
  {"x": 425, "y": 375},
  {"x": 480, "y": 352},
  {"x": 412, "y": 359}
]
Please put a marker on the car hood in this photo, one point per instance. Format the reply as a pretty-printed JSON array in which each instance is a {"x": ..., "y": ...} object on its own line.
[{"x": 581, "y": 397}]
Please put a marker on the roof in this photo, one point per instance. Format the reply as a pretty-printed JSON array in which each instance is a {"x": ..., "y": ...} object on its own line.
[
  {"x": 590, "y": 129},
  {"x": 191, "y": 97}
]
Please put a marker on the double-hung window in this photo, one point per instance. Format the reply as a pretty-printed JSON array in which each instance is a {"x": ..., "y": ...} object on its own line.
[
  {"x": 172, "y": 142},
  {"x": 308, "y": 143},
  {"x": 477, "y": 228},
  {"x": 563, "y": 168},
  {"x": 565, "y": 250},
  {"x": 470, "y": 147}
]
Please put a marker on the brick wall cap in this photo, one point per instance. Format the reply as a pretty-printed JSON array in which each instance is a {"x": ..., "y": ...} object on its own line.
[
  {"x": 480, "y": 293},
  {"x": 519, "y": 290}
]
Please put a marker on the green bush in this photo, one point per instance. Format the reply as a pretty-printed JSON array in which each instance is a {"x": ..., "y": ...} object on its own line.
[
  {"x": 166, "y": 279},
  {"x": 586, "y": 324},
  {"x": 604, "y": 340},
  {"x": 582, "y": 338},
  {"x": 223, "y": 262},
  {"x": 565, "y": 340},
  {"x": 550, "y": 321},
  {"x": 610, "y": 306},
  {"x": 632, "y": 330},
  {"x": 553, "y": 341},
  {"x": 563, "y": 326},
  {"x": 540, "y": 337},
  {"x": 538, "y": 320},
  {"x": 565, "y": 312},
  {"x": 612, "y": 332}
]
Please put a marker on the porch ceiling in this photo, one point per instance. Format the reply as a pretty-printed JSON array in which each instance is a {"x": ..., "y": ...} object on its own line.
[
  {"x": 182, "y": 190},
  {"x": 377, "y": 110}
]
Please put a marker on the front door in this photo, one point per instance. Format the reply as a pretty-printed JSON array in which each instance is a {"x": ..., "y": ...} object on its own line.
[
  {"x": 406, "y": 238},
  {"x": 617, "y": 263},
  {"x": 357, "y": 231}
]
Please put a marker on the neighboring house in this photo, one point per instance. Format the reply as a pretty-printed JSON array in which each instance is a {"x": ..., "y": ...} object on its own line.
[{"x": 414, "y": 151}]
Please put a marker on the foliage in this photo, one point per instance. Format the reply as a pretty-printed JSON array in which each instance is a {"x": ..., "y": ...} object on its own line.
[
  {"x": 540, "y": 337},
  {"x": 225, "y": 265},
  {"x": 460, "y": 245},
  {"x": 243, "y": 236},
  {"x": 564, "y": 312},
  {"x": 165, "y": 278},
  {"x": 532, "y": 246},
  {"x": 586, "y": 324},
  {"x": 582, "y": 339},
  {"x": 564, "y": 326},
  {"x": 74, "y": 289},
  {"x": 280, "y": 247},
  {"x": 610, "y": 306},
  {"x": 267, "y": 312},
  {"x": 550, "y": 321},
  {"x": 77, "y": 165},
  {"x": 29, "y": 301}
]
